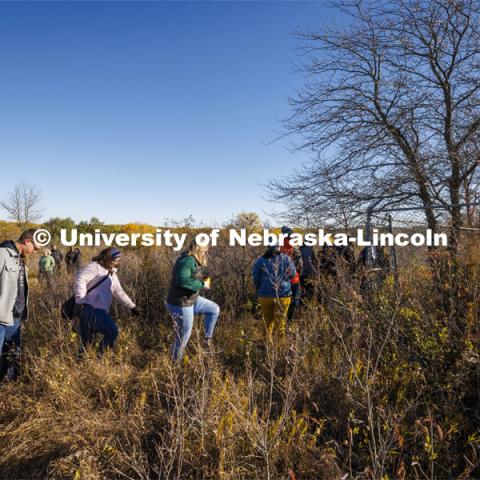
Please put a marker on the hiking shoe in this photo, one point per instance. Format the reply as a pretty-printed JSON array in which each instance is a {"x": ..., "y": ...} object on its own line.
[{"x": 209, "y": 347}]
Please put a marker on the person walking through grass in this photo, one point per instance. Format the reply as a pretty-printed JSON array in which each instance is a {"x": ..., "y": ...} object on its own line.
[
  {"x": 95, "y": 286},
  {"x": 58, "y": 257},
  {"x": 69, "y": 258},
  {"x": 272, "y": 275},
  {"x": 13, "y": 299},
  {"x": 296, "y": 255},
  {"x": 184, "y": 301},
  {"x": 77, "y": 260},
  {"x": 46, "y": 265},
  {"x": 309, "y": 273}
]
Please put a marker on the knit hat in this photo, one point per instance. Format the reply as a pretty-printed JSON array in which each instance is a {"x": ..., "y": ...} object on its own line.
[
  {"x": 115, "y": 253},
  {"x": 286, "y": 231}
]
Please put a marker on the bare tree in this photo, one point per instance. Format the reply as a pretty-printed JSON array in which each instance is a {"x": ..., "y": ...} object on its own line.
[
  {"x": 392, "y": 102},
  {"x": 23, "y": 204},
  {"x": 315, "y": 197},
  {"x": 240, "y": 261}
]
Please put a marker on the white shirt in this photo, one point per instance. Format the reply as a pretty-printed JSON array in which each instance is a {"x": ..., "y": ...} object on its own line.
[{"x": 101, "y": 296}]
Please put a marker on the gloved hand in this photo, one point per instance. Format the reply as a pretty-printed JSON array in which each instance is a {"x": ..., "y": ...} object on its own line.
[
  {"x": 135, "y": 311},
  {"x": 77, "y": 310}
]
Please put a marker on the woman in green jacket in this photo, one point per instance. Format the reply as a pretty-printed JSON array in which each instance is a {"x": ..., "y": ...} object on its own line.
[{"x": 184, "y": 300}]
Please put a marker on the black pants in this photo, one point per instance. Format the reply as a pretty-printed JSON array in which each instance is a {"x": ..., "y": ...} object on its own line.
[{"x": 308, "y": 288}]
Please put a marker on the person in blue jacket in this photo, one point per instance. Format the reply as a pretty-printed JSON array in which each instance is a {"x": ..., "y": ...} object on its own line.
[{"x": 272, "y": 275}]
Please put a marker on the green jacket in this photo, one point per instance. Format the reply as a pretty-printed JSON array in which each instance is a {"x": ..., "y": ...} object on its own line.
[
  {"x": 46, "y": 263},
  {"x": 187, "y": 281}
]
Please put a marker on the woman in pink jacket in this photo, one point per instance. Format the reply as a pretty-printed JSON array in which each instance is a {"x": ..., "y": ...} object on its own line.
[{"x": 93, "y": 304}]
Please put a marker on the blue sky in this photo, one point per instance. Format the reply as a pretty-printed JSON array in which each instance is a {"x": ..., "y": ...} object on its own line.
[{"x": 148, "y": 110}]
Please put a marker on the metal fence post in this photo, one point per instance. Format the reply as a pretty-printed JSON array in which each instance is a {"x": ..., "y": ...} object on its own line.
[
  {"x": 369, "y": 236},
  {"x": 394, "y": 255}
]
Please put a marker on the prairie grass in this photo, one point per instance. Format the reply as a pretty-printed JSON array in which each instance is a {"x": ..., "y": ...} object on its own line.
[{"x": 360, "y": 388}]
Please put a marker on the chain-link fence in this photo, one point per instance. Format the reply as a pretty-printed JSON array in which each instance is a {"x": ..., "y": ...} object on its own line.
[
  {"x": 410, "y": 221},
  {"x": 369, "y": 266}
]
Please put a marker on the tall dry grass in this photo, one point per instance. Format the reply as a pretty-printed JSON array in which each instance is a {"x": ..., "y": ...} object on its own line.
[{"x": 378, "y": 387}]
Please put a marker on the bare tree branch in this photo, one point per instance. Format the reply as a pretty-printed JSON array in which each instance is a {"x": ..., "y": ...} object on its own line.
[
  {"x": 22, "y": 204},
  {"x": 391, "y": 104}
]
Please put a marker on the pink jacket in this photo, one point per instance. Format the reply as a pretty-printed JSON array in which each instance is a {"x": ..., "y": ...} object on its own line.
[{"x": 101, "y": 296}]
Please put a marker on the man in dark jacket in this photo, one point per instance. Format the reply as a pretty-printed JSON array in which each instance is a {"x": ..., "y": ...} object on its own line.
[
  {"x": 69, "y": 259},
  {"x": 13, "y": 299},
  {"x": 309, "y": 272},
  {"x": 58, "y": 257},
  {"x": 77, "y": 260}
]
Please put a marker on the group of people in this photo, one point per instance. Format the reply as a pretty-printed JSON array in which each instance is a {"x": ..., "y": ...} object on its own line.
[
  {"x": 51, "y": 261},
  {"x": 282, "y": 276}
]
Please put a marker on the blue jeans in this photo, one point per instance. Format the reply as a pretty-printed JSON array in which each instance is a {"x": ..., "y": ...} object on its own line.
[
  {"x": 10, "y": 360},
  {"x": 10, "y": 332},
  {"x": 95, "y": 320},
  {"x": 183, "y": 322}
]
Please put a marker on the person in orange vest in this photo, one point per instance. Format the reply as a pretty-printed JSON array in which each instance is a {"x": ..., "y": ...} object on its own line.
[{"x": 296, "y": 255}]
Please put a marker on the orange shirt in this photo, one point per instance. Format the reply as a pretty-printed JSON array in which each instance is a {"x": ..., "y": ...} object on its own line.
[{"x": 287, "y": 249}]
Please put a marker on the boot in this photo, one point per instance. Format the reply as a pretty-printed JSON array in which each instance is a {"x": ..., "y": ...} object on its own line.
[{"x": 208, "y": 345}]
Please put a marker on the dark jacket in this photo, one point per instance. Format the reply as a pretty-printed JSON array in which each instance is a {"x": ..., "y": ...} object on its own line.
[
  {"x": 58, "y": 257},
  {"x": 77, "y": 260},
  {"x": 334, "y": 256},
  {"x": 69, "y": 258},
  {"x": 187, "y": 281},
  {"x": 310, "y": 264}
]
